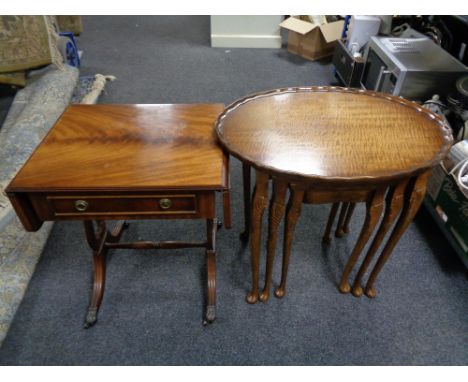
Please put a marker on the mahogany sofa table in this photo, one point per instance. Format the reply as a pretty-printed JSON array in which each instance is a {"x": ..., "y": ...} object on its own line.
[
  {"x": 117, "y": 162},
  {"x": 331, "y": 145}
]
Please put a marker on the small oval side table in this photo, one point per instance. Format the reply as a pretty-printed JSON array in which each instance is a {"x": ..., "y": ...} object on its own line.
[{"x": 331, "y": 145}]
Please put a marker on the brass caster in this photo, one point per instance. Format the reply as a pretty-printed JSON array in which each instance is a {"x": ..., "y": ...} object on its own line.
[
  {"x": 210, "y": 315},
  {"x": 91, "y": 318}
]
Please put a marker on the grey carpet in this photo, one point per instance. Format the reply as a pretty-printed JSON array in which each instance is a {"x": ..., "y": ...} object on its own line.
[
  {"x": 153, "y": 306},
  {"x": 7, "y": 95}
]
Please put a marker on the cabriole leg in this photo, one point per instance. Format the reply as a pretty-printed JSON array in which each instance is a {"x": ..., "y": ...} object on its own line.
[
  {"x": 277, "y": 207},
  {"x": 414, "y": 196},
  {"x": 339, "y": 227},
  {"x": 259, "y": 203},
  {"x": 247, "y": 208},
  {"x": 374, "y": 207},
  {"x": 349, "y": 215},
  {"x": 394, "y": 202},
  {"x": 326, "y": 239},
  {"x": 227, "y": 209},
  {"x": 293, "y": 211}
]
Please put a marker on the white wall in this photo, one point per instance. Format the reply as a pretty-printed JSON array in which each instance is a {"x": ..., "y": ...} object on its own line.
[{"x": 245, "y": 31}]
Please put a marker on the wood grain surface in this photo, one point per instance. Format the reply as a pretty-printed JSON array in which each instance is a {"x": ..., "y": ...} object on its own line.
[
  {"x": 128, "y": 147},
  {"x": 334, "y": 135}
]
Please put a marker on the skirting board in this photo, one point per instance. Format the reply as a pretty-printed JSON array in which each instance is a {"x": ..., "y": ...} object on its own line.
[{"x": 245, "y": 41}]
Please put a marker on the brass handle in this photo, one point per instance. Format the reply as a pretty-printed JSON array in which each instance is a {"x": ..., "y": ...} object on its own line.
[
  {"x": 165, "y": 203},
  {"x": 81, "y": 205}
]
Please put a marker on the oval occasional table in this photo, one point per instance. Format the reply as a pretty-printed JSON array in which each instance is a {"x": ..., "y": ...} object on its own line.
[{"x": 331, "y": 145}]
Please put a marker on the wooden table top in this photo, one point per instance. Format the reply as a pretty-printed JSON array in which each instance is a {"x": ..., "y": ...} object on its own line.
[
  {"x": 128, "y": 147},
  {"x": 330, "y": 134}
]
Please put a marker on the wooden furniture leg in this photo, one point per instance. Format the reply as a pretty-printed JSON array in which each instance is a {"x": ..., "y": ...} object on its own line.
[
  {"x": 227, "y": 221},
  {"x": 101, "y": 240},
  {"x": 244, "y": 236},
  {"x": 211, "y": 227},
  {"x": 394, "y": 203},
  {"x": 293, "y": 211},
  {"x": 227, "y": 209},
  {"x": 326, "y": 239},
  {"x": 343, "y": 213},
  {"x": 349, "y": 214},
  {"x": 277, "y": 207},
  {"x": 374, "y": 207},
  {"x": 97, "y": 241},
  {"x": 413, "y": 198},
  {"x": 259, "y": 203}
]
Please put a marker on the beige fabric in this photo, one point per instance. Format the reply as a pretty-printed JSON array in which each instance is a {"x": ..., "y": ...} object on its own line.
[
  {"x": 53, "y": 30},
  {"x": 27, "y": 42},
  {"x": 14, "y": 78},
  {"x": 70, "y": 24}
]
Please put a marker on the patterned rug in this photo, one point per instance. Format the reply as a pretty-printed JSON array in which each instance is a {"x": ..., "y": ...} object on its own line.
[
  {"x": 83, "y": 87},
  {"x": 20, "y": 250}
]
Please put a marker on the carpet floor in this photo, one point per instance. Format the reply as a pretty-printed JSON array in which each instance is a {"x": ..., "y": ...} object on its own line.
[{"x": 153, "y": 306}]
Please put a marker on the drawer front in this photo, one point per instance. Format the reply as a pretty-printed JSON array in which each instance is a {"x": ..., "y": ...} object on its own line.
[{"x": 82, "y": 205}]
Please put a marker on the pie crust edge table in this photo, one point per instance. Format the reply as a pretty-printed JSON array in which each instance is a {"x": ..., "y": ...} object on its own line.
[{"x": 406, "y": 187}]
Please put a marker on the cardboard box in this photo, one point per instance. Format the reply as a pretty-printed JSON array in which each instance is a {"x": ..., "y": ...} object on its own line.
[{"x": 312, "y": 41}]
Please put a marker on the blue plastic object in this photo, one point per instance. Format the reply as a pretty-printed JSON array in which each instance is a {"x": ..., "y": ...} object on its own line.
[
  {"x": 345, "y": 26},
  {"x": 71, "y": 50}
]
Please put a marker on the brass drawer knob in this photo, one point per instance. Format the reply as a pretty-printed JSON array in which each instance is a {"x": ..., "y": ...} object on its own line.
[
  {"x": 81, "y": 205},
  {"x": 165, "y": 203}
]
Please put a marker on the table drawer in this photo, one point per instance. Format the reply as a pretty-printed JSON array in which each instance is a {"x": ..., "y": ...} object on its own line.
[{"x": 79, "y": 205}]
